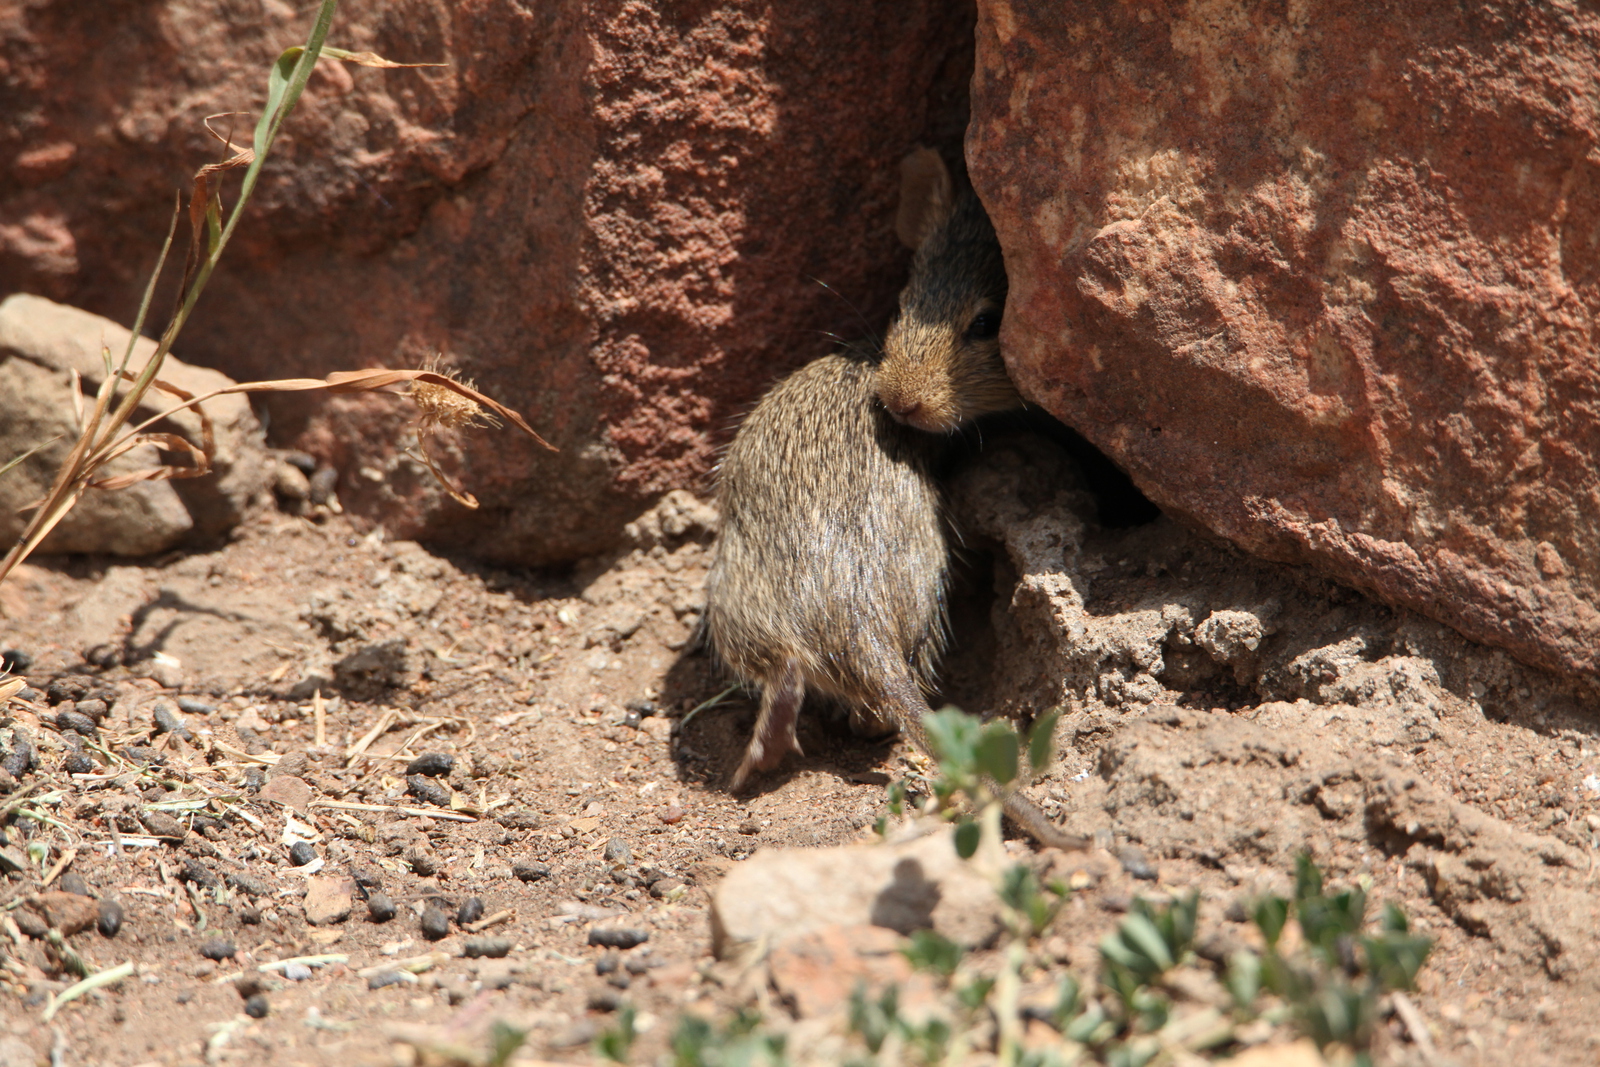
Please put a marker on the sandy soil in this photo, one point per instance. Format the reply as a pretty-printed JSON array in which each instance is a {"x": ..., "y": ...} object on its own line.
[{"x": 1220, "y": 712}]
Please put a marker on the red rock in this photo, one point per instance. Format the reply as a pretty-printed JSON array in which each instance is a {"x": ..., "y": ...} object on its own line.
[
  {"x": 67, "y": 912},
  {"x": 1324, "y": 280},
  {"x": 607, "y": 213}
]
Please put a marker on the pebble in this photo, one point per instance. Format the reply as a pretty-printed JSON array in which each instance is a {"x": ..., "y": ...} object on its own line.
[
  {"x": 249, "y": 985},
  {"x": 530, "y": 870},
  {"x": 31, "y": 924},
  {"x": 493, "y": 947},
  {"x": 72, "y": 882},
  {"x": 435, "y": 923},
  {"x": 664, "y": 888},
  {"x": 217, "y": 948},
  {"x": 110, "y": 920},
  {"x": 301, "y": 853},
  {"x": 432, "y": 764},
  {"x": 1137, "y": 864},
  {"x": 164, "y": 826},
  {"x": 607, "y": 963},
  {"x": 422, "y": 860},
  {"x": 199, "y": 874},
  {"x": 69, "y": 687},
  {"x": 380, "y": 908},
  {"x": 191, "y": 706},
  {"x": 250, "y": 916},
  {"x": 618, "y": 852},
  {"x": 167, "y": 722},
  {"x": 254, "y": 779},
  {"x": 429, "y": 792},
  {"x": 249, "y": 884},
  {"x": 604, "y": 1000},
  {"x": 76, "y": 723},
  {"x": 15, "y": 661},
  {"x": 367, "y": 878},
  {"x": 471, "y": 911},
  {"x": 623, "y": 937},
  {"x": 520, "y": 820},
  {"x": 256, "y": 1007},
  {"x": 94, "y": 708},
  {"x": 297, "y": 972},
  {"x": 386, "y": 978},
  {"x": 77, "y": 763}
]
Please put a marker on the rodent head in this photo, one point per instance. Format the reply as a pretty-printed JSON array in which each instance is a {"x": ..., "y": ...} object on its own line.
[{"x": 941, "y": 365}]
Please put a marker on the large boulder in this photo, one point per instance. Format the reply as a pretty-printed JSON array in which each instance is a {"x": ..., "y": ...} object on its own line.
[
  {"x": 608, "y": 213},
  {"x": 1323, "y": 278},
  {"x": 41, "y": 344}
]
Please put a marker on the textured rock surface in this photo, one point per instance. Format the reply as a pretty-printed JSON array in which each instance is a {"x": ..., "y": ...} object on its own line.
[
  {"x": 41, "y": 343},
  {"x": 606, "y": 212},
  {"x": 1324, "y": 278}
]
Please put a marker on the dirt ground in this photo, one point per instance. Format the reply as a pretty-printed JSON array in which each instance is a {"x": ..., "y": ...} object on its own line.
[{"x": 1221, "y": 713}]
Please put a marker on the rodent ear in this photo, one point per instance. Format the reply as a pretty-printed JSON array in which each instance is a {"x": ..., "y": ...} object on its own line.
[{"x": 926, "y": 196}]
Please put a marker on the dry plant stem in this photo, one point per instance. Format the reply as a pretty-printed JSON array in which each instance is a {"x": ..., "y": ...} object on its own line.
[{"x": 285, "y": 83}]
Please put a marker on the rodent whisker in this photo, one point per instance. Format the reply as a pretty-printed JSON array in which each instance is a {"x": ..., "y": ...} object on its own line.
[{"x": 873, "y": 335}]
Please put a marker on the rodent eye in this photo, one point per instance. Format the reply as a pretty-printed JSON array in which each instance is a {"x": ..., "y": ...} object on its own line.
[{"x": 984, "y": 327}]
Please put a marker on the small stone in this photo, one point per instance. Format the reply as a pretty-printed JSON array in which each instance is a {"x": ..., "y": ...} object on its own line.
[
  {"x": 250, "y": 916},
  {"x": 323, "y": 483},
  {"x": 619, "y": 980},
  {"x": 435, "y": 923},
  {"x": 167, "y": 722},
  {"x": 471, "y": 911},
  {"x": 1137, "y": 864},
  {"x": 288, "y": 790},
  {"x": 68, "y": 687},
  {"x": 520, "y": 820},
  {"x": 15, "y": 661},
  {"x": 256, "y": 1007},
  {"x": 72, "y": 882},
  {"x": 493, "y": 947},
  {"x": 93, "y": 708},
  {"x": 328, "y": 900},
  {"x": 749, "y": 826},
  {"x": 301, "y": 853},
  {"x": 217, "y": 948},
  {"x": 664, "y": 888},
  {"x": 31, "y": 924},
  {"x": 110, "y": 918},
  {"x": 19, "y": 759},
  {"x": 367, "y": 877},
  {"x": 386, "y": 978},
  {"x": 639, "y": 964},
  {"x": 191, "y": 706},
  {"x": 426, "y": 791},
  {"x": 380, "y": 908},
  {"x": 72, "y": 721},
  {"x": 196, "y": 872},
  {"x": 622, "y": 937},
  {"x": 604, "y": 1000},
  {"x": 422, "y": 860},
  {"x": 432, "y": 764},
  {"x": 254, "y": 778},
  {"x": 607, "y": 963},
  {"x": 617, "y": 852},
  {"x": 296, "y": 972},
  {"x": 249, "y": 984},
  {"x": 164, "y": 826},
  {"x": 249, "y": 884},
  {"x": 67, "y": 912},
  {"x": 530, "y": 870}
]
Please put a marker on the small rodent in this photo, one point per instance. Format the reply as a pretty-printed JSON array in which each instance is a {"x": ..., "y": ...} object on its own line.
[
  {"x": 831, "y": 564},
  {"x": 941, "y": 359}
]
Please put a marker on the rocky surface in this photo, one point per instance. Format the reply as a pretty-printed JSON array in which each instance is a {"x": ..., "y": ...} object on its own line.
[
  {"x": 609, "y": 214},
  {"x": 41, "y": 344},
  {"x": 1324, "y": 279}
]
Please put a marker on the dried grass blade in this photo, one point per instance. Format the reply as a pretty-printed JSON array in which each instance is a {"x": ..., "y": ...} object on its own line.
[
  {"x": 32, "y": 451},
  {"x": 372, "y": 59}
]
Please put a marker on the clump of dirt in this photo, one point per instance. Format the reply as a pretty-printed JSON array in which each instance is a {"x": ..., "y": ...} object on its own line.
[{"x": 418, "y": 787}]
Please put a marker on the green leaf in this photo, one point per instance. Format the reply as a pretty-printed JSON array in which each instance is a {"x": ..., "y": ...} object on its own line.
[
  {"x": 952, "y": 741},
  {"x": 1141, "y": 934},
  {"x": 932, "y": 951},
  {"x": 967, "y": 836},
  {"x": 1244, "y": 978},
  {"x": 1394, "y": 959},
  {"x": 997, "y": 752},
  {"x": 1069, "y": 998},
  {"x": 614, "y": 1043},
  {"x": 1271, "y": 914},
  {"x": 1082, "y": 1029},
  {"x": 975, "y": 993},
  {"x": 1041, "y": 740},
  {"x": 504, "y": 1040},
  {"x": 1307, "y": 878}
]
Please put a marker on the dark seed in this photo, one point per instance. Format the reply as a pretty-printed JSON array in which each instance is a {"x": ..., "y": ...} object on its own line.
[
  {"x": 322, "y": 485},
  {"x": 15, "y": 660},
  {"x": 94, "y": 708},
  {"x": 471, "y": 911},
  {"x": 248, "y": 985},
  {"x": 19, "y": 759},
  {"x": 217, "y": 949},
  {"x": 304, "y": 462},
  {"x": 605, "y": 1000},
  {"x": 70, "y": 687},
  {"x": 256, "y": 1006},
  {"x": 167, "y": 722},
  {"x": 1135, "y": 863},
  {"x": 77, "y": 763},
  {"x": 530, "y": 870},
  {"x": 607, "y": 963},
  {"x": 72, "y": 882},
  {"x": 618, "y": 938},
  {"x": 80, "y": 724},
  {"x": 435, "y": 923},
  {"x": 432, "y": 764},
  {"x": 493, "y": 947},
  {"x": 380, "y": 908},
  {"x": 110, "y": 921},
  {"x": 427, "y": 791},
  {"x": 301, "y": 853},
  {"x": 199, "y": 874},
  {"x": 191, "y": 706},
  {"x": 618, "y": 852}
]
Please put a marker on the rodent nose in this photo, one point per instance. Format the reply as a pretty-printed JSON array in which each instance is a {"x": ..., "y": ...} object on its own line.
[{"x": 903, "y": 409}]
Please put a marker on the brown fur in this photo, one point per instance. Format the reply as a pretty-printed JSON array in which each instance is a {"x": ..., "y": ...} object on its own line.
[{"x": 941, "y": 366}]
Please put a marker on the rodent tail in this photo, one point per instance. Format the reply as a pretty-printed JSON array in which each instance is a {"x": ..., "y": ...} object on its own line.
[{"x": 781, "y": 697}]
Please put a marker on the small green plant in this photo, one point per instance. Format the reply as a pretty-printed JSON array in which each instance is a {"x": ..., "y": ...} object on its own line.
[
  {"x": 738, "y": 1043},
  {"x": 615, "y": 1043}
]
